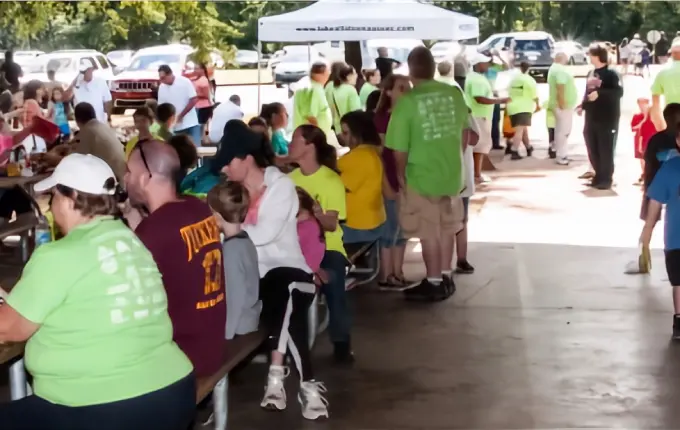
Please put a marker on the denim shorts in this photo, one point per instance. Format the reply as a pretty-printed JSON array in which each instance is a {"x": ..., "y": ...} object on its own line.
[
  {"x": 391, "y": 234},
  {"x": 353, "y": 235},
  {"x": 194, "y": 133}
]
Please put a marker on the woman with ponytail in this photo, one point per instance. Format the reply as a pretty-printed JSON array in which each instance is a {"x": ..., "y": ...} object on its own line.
[
  {"x": 276, "y": 117},
  {"x": 372, "y": 77},
  {"x": 342, "y": 95},
  {"x": 318, "y": 175}
]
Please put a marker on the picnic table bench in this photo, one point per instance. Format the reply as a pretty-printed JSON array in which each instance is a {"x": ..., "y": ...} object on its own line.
[{"x": 235, "y": 351}]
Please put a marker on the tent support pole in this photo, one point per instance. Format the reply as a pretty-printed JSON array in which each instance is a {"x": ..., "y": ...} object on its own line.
[{"x": 259, "y": 77}]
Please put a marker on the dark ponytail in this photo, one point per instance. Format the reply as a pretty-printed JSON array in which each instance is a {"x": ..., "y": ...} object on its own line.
[
  {"x": 325, "y": 153},
  {"x": 269, "y": 110},
  {"x": 341, "y": 76}
]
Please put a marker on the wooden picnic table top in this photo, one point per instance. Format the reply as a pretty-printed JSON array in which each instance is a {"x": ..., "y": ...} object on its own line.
[
  {"x": 22, "y": 181},
  {"x": 206, "y": 151},
  {"x": 8, "y": 351},
  {"x": 21, "y": 224}
]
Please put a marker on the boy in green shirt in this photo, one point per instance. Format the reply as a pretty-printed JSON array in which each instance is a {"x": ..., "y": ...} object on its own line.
[{"x": 522, "y": 106}]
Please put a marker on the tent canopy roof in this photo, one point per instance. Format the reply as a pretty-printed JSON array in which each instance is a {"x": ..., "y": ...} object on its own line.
[{"x": 353, "y": 20}]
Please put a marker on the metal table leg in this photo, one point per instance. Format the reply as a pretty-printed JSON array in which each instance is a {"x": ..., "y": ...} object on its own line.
[
  {"x": 221, "y": 403},
  {"x": 17, "y": 380}
]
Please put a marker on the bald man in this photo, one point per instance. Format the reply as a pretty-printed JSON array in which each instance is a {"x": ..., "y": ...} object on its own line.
[
  {"x": 183, "y": 237},
  {"x": 562, "y": 99},
  {"x": 666, "y": 84}
]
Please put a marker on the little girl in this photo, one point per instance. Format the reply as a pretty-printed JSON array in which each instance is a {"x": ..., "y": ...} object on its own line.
[
  {"x": 58, "y": 112},
  {"x": 310, "y": 233},
  {"x": 644, "y": 129},
  {"x": 276, "y": 116}
]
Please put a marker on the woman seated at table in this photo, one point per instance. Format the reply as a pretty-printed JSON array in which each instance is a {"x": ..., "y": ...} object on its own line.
[
  {"x": 94, "y": 312},
  {"x": 361, "y": 171}
]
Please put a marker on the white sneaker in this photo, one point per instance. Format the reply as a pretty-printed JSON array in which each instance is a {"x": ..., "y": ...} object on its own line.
[
  {"x": 564, "y": 161},
  {"x": 275, "y": 393},
  {"x": 314, "y": 404}
]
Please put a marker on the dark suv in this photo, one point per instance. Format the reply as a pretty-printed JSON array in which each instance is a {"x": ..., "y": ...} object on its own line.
[{"x": 538, "y": 51}]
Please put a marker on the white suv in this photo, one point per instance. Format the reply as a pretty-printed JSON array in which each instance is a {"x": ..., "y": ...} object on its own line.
[{"x": 67, "y": 64}]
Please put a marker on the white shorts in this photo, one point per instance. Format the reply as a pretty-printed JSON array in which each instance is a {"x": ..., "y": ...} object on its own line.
[{"x": 484, "y": 143}]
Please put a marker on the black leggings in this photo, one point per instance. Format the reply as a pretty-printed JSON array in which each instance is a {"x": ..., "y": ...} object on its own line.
[
  {"x": 286, "y": 295},
  {"x": 170, "y": 408}
]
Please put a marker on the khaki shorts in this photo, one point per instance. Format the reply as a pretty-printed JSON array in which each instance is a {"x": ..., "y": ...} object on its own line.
[
  {"x": 430, "y": 217},
  {"x": 485, "y": 142}
]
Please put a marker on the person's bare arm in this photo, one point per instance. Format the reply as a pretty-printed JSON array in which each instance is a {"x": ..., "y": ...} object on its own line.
[
  {"x": 657, "y": 117},
  {"x": 401, "y": 159},
  {"x": 328, "y": 219},
  {"x": 187, "y": 108},
  {"x": 491, "y": 100},
  {"x": 108, "y": 108},
  {"x": 13, "y": 326},
  {"x": 68, "y": 93}
]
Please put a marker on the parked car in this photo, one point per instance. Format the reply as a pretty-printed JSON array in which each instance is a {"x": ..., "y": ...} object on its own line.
[
  {"x": 445, "y": 51},
  {"x": 294, "y": 66},
  {"x": 121, "y": 58},
  {"x": 298, "y": 50},
  {"x": 246, "y": 59},
  {"x": 66, "y": 65},
  {"x": 139, "y": 81},
  {"x": 535, "y": 47},
  {"x": 576, "y": 52},
  {"x": 24, "y": 58}
]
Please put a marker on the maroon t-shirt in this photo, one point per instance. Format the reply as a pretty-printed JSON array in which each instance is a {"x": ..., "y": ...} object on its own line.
[
  {"x": 184, "y": 239},
  {"x": 381, "y": 121}
]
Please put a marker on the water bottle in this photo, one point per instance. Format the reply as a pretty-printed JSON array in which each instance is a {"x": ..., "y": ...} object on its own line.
[{"x": 43, "y": 231}]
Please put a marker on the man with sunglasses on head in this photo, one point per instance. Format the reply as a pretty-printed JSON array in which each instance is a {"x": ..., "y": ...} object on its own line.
[{"x": 183, "y": 237}]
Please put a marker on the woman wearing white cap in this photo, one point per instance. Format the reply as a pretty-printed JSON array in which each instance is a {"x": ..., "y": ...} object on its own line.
[{"x": 93, "y": 311}]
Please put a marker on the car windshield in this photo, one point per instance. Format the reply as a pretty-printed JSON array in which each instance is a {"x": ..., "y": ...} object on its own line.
[
  {"x": 532, "y": 45},
  {"x": 42, "y": 65},
  {"x": 152, "y": 62},
  {"x": 297, "y": 58}
]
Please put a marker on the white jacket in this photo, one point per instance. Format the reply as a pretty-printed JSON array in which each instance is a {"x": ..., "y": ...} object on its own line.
[{"x": 275, "y": 233}]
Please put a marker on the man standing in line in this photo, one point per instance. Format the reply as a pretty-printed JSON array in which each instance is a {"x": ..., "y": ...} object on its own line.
[
  {"x": 385, "y": 64},
  {"x": 88, "y": 88},
  {"x": 602, "y": 106},
  {"x": 426, "y": 132},
  {"x": 180, "y": 92},
  {"x": 562, "y": 99},
  {"x": 492, "y": 74},
  {"x": 666, "y": 84},
  {"x": 481, "y": 98}
]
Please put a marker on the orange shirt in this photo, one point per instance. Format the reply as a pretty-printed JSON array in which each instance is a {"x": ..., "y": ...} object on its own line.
[{"x": 202, "y": 87}]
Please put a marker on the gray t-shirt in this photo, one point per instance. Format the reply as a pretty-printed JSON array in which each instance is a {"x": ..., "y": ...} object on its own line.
[{"x": 242, "y": 285}]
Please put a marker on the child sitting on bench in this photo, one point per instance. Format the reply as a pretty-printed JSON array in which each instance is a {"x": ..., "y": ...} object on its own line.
[{"x": 229, "y": 202}]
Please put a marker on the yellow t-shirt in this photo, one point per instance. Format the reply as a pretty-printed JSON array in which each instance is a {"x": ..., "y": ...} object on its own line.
[
  {"x": 361, "y": 171},
  {"x": 326, "y": 187},
  {"x": 130, "y": 146}
]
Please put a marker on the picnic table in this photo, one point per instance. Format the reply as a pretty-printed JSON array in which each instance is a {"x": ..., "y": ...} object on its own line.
[{"x": 205, "y": 152}]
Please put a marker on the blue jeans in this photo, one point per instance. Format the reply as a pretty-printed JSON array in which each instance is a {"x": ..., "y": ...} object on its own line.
[
  {"x": 495, "y": 126},
  {"x": 334, "y": 263},
  {"x": 194, "y": 133},
  {"x": 353, "y": 235}
]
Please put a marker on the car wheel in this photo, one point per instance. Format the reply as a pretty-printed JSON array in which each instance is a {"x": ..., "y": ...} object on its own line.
[{"x": 118, "y": 111}]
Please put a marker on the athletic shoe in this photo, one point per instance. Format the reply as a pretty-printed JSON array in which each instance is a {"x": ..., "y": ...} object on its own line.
[
  {"x": 587, "y": 175},
  {"x": 564, "y": 161},
  {"x": 552, "y": 154},
  {"x": 676, "y": 327},
  {"x": 342, "y": 353},
  {"x": 514, "y": 155},
  {"x": 426, "y": 291},
  {"x": 275, "y": 393},
  {"x": 448, "y": 286},
  {"x": 464, "y": 267},
  {"x": 530, "y": 151},
  {"x": 314, "y": 404}
]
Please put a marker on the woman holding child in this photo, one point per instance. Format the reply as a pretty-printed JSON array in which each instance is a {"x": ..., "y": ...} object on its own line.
[
  {"x": 286, "y": 282},
  {"x": 318, "y": 175}
]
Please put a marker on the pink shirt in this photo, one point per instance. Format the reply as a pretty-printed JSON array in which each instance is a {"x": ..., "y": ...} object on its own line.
[
  {"x": 313, "y": 247},
  {"x": 202, "y": 87}
]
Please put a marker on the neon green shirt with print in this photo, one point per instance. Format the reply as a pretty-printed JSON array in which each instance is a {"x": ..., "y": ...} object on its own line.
[
  {"x": 326, "y": 187},
  {"x": 342, "y": 99},
  {"x": 311, "y": 102},
  {"x": 522, "y": 91},
  {"x": 667, "y": 83},
  {"x": 366, "y": 91},
  {"x": 105, "y": 334},
  {"x": 558, "y": 74},
  {"x": 427, "y": 123},
  {"x": 476, "y": 85}
]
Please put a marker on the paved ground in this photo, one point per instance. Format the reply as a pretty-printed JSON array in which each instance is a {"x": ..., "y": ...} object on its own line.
[{"x": 548, "y": 333}]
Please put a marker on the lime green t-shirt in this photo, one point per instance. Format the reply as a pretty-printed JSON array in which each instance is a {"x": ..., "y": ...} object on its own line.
[
  {"x": 105, "y": 333},
  {"x": 311, "y": 102},
  {"x": 427, "y": 123},
  {"x": 342, "y": 99},
  {"x": 558, "y": 74},
  {"x": 366, "y": 91},
  {"x": 326, "y": 187},
  {"x": 476, "y": 85},
  {"x": 667, "y": 83},
  {"x": 522, "y": 91}
]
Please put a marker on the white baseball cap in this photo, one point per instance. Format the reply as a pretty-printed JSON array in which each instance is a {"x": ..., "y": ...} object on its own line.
[
  {"x": 84, "y": 173},
  {"x": 479, "y": 58}
]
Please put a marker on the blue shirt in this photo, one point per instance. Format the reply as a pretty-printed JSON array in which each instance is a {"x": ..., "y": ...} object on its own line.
[
  {"x": 60, "y": 117},
  {"x": 279, "y": 143},
  {"x": 665, "y": 189}
]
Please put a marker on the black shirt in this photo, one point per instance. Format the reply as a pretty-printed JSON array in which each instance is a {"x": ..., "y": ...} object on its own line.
[
  {"x": 385, "y": 65},
  {"x": 12, "y": 72},
  {"x": 662, "y": 47},
  {"x": 607, "y": 107}
]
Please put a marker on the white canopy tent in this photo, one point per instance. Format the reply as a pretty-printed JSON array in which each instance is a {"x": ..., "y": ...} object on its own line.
[
  {"x": 354, "y": 20},
  {"x": 361, "y": 20}
]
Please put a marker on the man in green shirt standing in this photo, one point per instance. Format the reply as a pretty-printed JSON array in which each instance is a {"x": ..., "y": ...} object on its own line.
[
  {"x": 481, "y": 98},
  {"x": 562, "y": 99},
  {"x": 426, "y": 131},
  {"x": 666, "y": 84}
]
